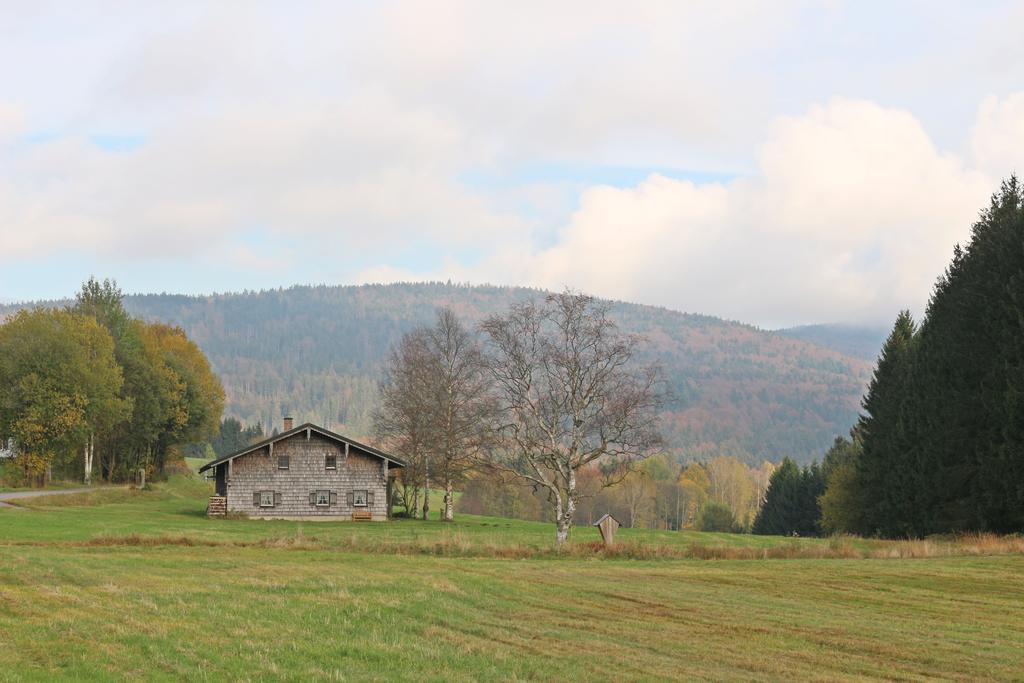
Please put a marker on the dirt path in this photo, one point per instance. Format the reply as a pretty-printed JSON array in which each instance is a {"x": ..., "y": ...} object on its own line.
[{"x": 34, "y": 494}]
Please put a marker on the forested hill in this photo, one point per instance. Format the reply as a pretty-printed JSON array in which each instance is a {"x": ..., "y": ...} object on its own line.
[
  {"x": 315, "y": 352},
  {"x": 852, "y": 340}
]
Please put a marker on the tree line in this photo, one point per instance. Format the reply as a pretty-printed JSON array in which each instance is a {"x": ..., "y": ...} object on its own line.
[
  {"x": 719, "y": 494},
  {"x": 942, "y": 438},
  {"x": 89, "y": 390},
  {"x": 231, "y": 436},
  {"x": 939, "y": 447}
]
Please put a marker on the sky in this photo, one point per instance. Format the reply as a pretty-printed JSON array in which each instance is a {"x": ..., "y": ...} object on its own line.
[{"x": 775, "y": 163}]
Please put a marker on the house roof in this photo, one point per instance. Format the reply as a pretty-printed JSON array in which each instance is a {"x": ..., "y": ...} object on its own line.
[{"x": 398, "y": 462}]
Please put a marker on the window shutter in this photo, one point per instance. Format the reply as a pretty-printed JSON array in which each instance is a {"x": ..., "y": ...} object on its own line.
[
  {"x": 348, "y": 498},
  {"x": 277, "y": 498},
  {"x": 256, "y": 498},
  {"x": 312, "y": 497},
  {"x": 369, "y": 498},
  {"x": 334, "y": 497}
]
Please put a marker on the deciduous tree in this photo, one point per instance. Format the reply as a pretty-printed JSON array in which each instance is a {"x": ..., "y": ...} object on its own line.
[
  {"x": 62, "y": 384},
  {"x": 461, "y": 407},
  {"x": 569, "y": 395},
  {"x": 402, "y": 420}
]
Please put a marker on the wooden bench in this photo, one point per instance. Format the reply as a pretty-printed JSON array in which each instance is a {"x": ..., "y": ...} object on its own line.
[{"x": 362, "y": 516}]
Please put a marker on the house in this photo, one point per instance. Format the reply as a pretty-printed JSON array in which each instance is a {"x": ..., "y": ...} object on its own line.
[{"x": 305, "y": 472}]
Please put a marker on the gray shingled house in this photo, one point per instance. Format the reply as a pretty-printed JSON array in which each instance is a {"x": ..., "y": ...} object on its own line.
[{"x": 305, "y": 472}]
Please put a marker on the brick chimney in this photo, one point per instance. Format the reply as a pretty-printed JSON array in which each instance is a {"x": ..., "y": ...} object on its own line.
[{"x": 288, "y": 423}]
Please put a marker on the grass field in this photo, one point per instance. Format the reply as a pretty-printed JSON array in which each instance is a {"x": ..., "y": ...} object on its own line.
[{"x": 123, "y": 583}]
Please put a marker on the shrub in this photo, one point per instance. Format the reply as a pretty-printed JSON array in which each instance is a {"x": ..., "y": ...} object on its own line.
[
  {"x": 12, "y": 476},
  {"x": 715, "y": 516}
]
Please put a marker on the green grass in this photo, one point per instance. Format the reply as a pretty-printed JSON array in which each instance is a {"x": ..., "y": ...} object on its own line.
[
  {"x": 139, "y": 584},
  {"x": 195, "y": 463},
  {"x": 178, "y": 510}
]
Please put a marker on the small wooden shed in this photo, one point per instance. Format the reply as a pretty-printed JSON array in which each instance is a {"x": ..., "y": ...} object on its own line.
[{"x": 607, "y": 525}]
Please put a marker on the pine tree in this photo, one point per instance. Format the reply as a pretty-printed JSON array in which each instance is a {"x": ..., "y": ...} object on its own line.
[
  {"x": 785, "y": 508},
  {"x": 884, "y": 469},
  {"x": 944, "y": 425},
  {"x": 994, "y": 285}
]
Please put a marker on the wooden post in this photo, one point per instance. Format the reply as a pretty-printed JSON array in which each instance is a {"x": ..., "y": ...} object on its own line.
[
  {"x": 142, "y": 477},
  {"x": 607, "y": 525}
]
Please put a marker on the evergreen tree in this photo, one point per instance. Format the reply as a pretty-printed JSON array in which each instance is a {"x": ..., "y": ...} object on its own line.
[
  {"x": 790, "y": 505},
  {"x": 943, "y": 431},
  {"x": 971, "y": 343},
  {"x": 885, "y": 467},
  {"x": 232, "y": 436}
]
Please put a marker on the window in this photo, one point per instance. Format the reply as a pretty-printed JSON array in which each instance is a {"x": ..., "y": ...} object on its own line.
[
  {"x": 282, "y": 462},
  {"x": 266, "y": 499},
  {"x": 359, "y": 499},
  {"x": 323, "y": 498},
  {"x": 331, "y": 462}
]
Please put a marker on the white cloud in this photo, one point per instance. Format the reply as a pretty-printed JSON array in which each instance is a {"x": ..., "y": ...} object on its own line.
[
  {"x": 349, "y": 132},
  {"x": 997, "y": 141},
  {"x": 12, "y": 124},
  {"x": 851, "y": 215},
  {"x": 363, "y": 171}
]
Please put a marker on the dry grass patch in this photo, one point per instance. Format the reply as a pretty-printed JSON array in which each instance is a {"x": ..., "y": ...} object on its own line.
[
  {"x": 459, "y": 545},
  {"x": 99, "y": 496},
  {"x": 971, "y": 544}
]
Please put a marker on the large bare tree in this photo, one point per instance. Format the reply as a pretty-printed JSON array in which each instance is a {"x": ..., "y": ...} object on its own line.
[{"x": 569, "y": 394}]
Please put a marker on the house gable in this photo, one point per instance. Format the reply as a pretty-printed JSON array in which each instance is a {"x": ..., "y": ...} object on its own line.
[{"x": 308, "y": 430}]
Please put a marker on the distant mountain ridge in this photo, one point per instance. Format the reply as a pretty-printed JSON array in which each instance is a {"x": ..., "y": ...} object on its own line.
[
  {"x": 316, "y": 352},
  {"x": 852, "y": 340}
]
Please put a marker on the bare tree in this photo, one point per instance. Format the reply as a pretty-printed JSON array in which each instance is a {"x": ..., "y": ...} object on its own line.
[
  {"x": 402, "y": 419},
  {"x": 435, "y": 402},
  {"x": 462, "y": 401},
  {"x": 568, "y": 395}
]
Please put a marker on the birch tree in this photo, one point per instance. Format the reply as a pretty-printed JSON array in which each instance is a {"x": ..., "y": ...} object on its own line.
[
  {"x": 462, "y": 401},
  {"x": 435, "y": 404},
  {"x": 569, "y": 394}
]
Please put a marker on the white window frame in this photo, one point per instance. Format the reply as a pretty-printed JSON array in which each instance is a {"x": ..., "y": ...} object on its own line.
[
  {"x": 325, "y": 496},
  {"x": 355, "y": 498},
  {"x": 266, "y": 496}
]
